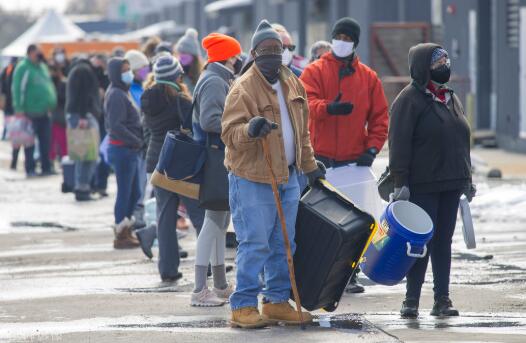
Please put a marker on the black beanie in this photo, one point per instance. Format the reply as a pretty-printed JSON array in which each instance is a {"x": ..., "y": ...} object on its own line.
[{"x": 349, "y": 27}]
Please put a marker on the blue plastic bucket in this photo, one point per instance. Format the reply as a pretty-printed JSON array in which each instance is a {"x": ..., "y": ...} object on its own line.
[{"x": 401, "y": 238}]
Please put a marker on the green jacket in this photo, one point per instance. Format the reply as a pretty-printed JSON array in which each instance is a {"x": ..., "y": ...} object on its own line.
[{"x": 33, "y": 90}]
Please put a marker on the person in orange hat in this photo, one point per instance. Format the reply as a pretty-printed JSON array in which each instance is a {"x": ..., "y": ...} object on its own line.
[{"x": 210, "y": 93}]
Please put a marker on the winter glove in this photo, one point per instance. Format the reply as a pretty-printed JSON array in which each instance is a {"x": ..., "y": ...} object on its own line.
[
  {"x": 367, "y": 158},
  {"x": 338, "y": 108},
  {"x": 317, "y": 174},
  {"x": 259, "y": 127},
  {"x": 400, "y": 193},
  {"x": 470, "y": 191}
]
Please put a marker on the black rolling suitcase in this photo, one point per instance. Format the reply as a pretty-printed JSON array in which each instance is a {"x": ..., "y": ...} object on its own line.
[{"x": 331, "y": 237}]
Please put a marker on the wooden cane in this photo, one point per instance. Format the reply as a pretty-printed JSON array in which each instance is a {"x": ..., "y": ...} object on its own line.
[{"x": 292, "y": 276}]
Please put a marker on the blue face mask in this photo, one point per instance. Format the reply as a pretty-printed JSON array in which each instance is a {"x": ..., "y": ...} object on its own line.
[{"x": 127, "y": 77}]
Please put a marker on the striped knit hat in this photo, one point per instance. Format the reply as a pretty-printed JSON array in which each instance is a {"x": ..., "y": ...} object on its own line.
[
  {"x": 438, "y": 53},
  {"x": 167, "y": 68}
]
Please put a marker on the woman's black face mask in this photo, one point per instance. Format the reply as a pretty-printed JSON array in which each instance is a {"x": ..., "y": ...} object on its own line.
[{"x": 441, "y": 74}]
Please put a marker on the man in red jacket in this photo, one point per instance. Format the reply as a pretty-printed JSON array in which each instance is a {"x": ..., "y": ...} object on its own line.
[{"x": 348, "y": 109}]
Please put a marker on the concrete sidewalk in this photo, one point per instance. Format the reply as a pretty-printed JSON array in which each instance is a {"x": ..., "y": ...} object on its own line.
[{"x": 61, "y": 281}]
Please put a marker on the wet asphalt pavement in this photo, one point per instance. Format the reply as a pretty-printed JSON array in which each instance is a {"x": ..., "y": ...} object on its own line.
[{"x": 61, "y": 280}]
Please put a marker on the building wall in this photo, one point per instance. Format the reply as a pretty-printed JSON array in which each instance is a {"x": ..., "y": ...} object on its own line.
[{"x": 506, "y": 82}]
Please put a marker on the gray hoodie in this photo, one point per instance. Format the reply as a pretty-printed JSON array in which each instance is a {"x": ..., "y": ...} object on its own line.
[
  {"x": 209, "y": 100},
  {"x": 123, "y": 121}
]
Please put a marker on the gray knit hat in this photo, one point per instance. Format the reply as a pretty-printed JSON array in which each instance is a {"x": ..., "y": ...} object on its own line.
[
  {"x": 264, "y": 31},
  {"x": 438, "y": 53},
  {"x": 167, "y": 68},
  {"x": 189, "y": 44}
]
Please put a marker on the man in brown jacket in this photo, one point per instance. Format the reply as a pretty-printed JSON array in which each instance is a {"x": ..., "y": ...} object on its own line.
[{"x": 266, "y": 103}]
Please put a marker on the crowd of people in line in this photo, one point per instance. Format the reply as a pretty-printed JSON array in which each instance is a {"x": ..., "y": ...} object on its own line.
[{"x": 327, "y": 114}]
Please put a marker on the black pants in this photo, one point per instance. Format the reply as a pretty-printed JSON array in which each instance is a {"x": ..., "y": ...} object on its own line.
[
  {"x": 42, "y": 128},
  {"x": 442, "y": 208}
]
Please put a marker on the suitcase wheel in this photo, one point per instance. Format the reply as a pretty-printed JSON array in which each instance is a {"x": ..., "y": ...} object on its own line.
[{"x": 331, "y": 307}]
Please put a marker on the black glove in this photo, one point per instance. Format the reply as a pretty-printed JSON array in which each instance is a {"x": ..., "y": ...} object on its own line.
[
  {"x": 470, "y": 191},
  {"x": 317, "y": 174},
  {"x": 338, "y": 108},
  {"x": 367, "y": 158},
  {"x": 259, "y": 127}
]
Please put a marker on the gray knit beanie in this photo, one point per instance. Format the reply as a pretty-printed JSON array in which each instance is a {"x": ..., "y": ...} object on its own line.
[
  {"x": 189, "y": 44},
  {"x": 264, "y": 31},
  {"x": 167, "y": 68}
]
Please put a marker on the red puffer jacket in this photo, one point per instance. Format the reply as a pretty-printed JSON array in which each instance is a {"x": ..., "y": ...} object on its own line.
[{"x": 345, "y": 137}]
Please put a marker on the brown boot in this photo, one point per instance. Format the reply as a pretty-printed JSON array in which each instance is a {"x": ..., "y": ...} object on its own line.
[
  {"x": 124, "y": 237},
  {"x": 284, "y": 313},
  {"x": 247, "y": 318}
]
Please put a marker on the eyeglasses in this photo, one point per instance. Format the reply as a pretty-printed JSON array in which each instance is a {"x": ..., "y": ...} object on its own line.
[
  {"x": 290, "y": 47},
  {"x": 443, "y": 61},
  {"x": 269, "y": 50}
]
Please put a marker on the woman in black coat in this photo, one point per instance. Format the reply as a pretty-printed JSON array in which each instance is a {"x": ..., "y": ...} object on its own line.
[
  {"x": 167, "y": 106},
  {"x": 429, "y": 158}
]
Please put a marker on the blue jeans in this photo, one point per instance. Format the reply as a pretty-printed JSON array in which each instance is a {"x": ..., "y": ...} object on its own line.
[
  {"x": 125, "y": 162},
  {"x": 84, "y": 170},
  {"x": 261, "y": 245}
]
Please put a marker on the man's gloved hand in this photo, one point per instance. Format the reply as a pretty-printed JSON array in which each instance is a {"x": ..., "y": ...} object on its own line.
[
  {"x": 367, "y": 158},
  {"x": 470, "y": 191},
  {"x": 338, "y": 108},
  {"x": 400, "y": 193},
  {"x": 317, "y": 174},
  {"x": 259, "y": 127}
]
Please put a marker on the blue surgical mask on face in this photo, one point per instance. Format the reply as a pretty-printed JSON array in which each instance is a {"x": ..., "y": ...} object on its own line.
[{"x": 127, "y": 77}]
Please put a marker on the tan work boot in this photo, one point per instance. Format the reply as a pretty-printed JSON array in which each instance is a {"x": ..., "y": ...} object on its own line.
[
  {"x": 124, "y": 237},
  {"x": 284, "y": 313},
  {"x": 247, "y": 318}
]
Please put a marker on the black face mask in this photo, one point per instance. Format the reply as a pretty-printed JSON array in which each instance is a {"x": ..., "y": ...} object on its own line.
[
  {"x": 237, "y": 66},
  {"x": 269, "y": 66},
  {"x": 186, "y": 69},
  {"x": 441, "y": 74}
]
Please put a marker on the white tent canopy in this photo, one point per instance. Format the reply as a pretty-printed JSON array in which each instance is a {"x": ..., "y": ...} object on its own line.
[
  {"x": 52, "y": 27},
  {"x": 158, "y": 29}
]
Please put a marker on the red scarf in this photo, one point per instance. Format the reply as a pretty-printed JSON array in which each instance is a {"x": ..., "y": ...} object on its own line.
[{"x": 439, "y": 93}]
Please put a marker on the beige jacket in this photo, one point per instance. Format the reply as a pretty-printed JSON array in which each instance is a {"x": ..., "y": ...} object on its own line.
[{"x": 250, "y": 96}]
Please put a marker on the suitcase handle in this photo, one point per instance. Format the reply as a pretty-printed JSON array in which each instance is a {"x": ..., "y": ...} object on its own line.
[{"x": 410, "y": 254}]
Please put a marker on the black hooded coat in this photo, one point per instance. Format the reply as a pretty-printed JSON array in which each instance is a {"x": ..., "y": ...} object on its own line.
[{"x": 429, "y": 141}]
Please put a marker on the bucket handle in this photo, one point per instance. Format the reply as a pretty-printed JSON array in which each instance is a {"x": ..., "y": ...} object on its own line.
[{"x": 410, "y": 254}]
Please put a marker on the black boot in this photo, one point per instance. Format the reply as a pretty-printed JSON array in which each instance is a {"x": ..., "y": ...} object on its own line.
[
  {"x": 83, "y": 196},
  {"x": 443, "y": 307},
  {"x": 409, "y": 308},
  {"x": 146, "y": 237},
  {"x": 354, "y": 286}
]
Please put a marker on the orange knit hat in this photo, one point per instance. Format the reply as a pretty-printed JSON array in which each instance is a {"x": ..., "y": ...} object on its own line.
[{"x": 220, "y": 47}]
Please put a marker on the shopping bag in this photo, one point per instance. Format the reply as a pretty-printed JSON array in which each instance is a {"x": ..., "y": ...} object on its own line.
[
  {"x": 83, "y": 144},
  {"x": 20, "y": 131},
  {"x": 180, "y": 165}
]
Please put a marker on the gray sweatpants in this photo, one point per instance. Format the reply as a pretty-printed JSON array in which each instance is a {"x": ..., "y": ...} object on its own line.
[{"x": 211, "y": 240}]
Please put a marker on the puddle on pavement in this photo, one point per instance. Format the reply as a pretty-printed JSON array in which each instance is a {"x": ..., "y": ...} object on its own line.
[
  {"x": 344, "y": 322},
  {"x": 502, "y": 323},
  {"x": 43, "y": 225}
]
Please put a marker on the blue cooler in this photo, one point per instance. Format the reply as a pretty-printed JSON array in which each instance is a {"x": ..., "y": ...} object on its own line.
[{"x": 401, "y": 238}]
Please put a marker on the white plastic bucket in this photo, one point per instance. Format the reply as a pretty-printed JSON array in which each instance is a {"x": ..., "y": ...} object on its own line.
[{"x": 359, "y": 185}]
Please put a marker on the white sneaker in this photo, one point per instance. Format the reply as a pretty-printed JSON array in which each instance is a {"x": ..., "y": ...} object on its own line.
[
  {"x": 206, "y": 298},
  {"x": 224, "y": 294}
]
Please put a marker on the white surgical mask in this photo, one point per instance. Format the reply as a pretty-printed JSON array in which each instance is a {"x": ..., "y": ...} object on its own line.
[
  {"x": 60, "y": 58},
  {"x": 286, "y": 57},
  {"x": 127, "y": 77},
  {"x": 341, "y": 48}
]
